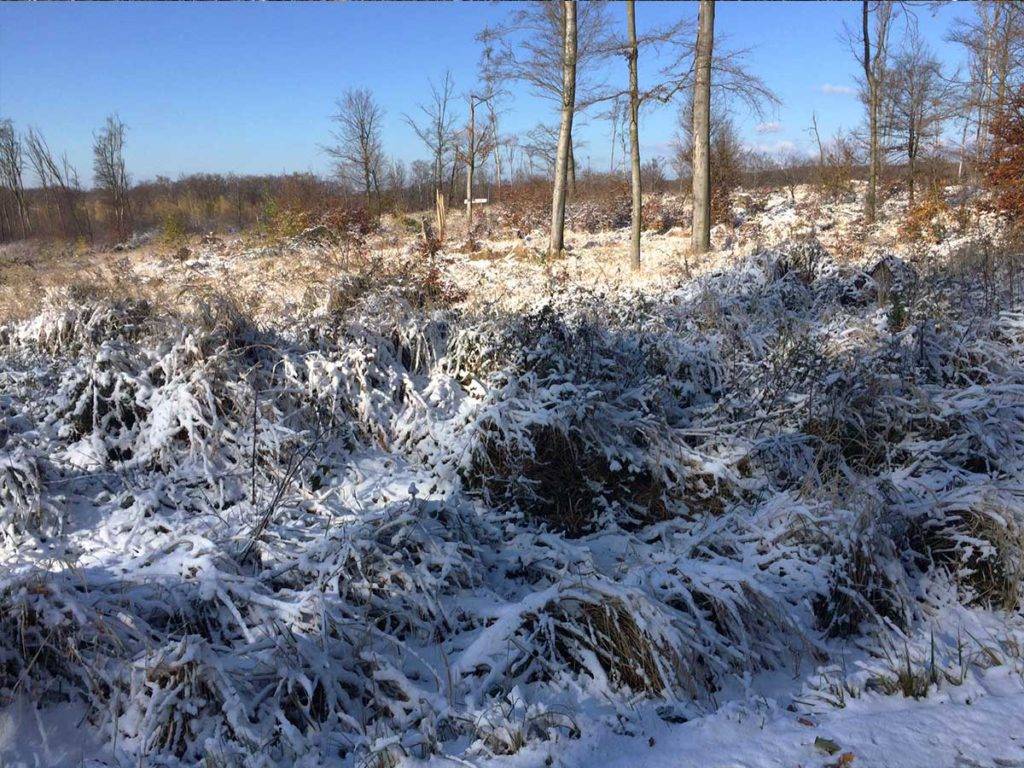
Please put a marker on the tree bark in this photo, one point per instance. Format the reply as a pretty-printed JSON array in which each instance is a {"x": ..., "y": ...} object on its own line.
[
  {"x": 874, "y": 70},
  {"x": 869, "y": 202},
  {"x": 557, "y": 240},
  {"x": 367, "y": 188},
  {"x": 470, "y": 152},
  {"x": 701, "y": 159},
  {"x": 572, "y": 167},
  {"x": 497, "y": 149},
  {"x": 911, "y": 160},
  {"x": 634, "y": 137}
]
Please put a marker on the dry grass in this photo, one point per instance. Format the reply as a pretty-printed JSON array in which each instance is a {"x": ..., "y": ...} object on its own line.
[
  {"x": 265, "y": 279},
  {"x": 274, "y": 275}
]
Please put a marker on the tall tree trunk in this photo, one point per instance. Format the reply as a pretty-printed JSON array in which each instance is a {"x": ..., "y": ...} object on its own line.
[
  {"x": 23, "y": 214},
  {"x": 572, "y": 168},
  {"x": 557, "y": 241},
  {"x": 987, "y": 90},
  {"x": 869, "y": 78},
  {"x": 497, "y": 171},
  {"x": 470, "y": 152},
  {"x": 376, "y": 192},
  {"x": 611, "y": 159},
  {"x": 496, "y": 151},
  {"x": 701, "y": 160},
  {"x": 634, "y": 136},
  {"x": 911, "y": 162},
  {"x": 872, "y": 197},
  {"x": 963, "y": 152},
  {"x": 6, "y": 228}
]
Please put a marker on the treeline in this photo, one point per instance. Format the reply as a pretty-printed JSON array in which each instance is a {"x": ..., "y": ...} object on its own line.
[
  {"x": 561, "y": 51},
  {"x": 116, "y": 208}
]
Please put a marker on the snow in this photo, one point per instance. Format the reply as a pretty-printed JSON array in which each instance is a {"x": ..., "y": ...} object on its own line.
[
  {"x": 501, "y": 512},
  {"x": 929, "y": 734}
]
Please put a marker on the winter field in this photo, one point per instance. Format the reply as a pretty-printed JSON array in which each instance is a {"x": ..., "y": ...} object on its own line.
[{"x": 324, "y": 499}]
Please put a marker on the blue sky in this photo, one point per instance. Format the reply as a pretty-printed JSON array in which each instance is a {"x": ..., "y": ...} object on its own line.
[{"x": 249, "y": 88}]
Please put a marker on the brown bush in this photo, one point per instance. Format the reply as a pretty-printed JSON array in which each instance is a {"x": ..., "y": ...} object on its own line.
[
  {"x": 352, "y": 221},
  {"x": 661, "y": 214},
  {"x": 833, "y": 175},
  {"x": 926, "y": 221},
  {"x": 1004, "y": 167},
  {"x": 280, "y": 223},
  {"x": 524, "y": 208}
]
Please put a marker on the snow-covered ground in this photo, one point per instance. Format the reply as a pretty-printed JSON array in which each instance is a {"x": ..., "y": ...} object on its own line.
[{"x": 294, "y": 505}]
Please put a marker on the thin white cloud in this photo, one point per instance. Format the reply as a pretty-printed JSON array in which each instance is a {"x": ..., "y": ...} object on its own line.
[
  {"x": 773, "y": 147},
  {"x": 845, "y": 90},
  {"x": 774, "y": 127}
]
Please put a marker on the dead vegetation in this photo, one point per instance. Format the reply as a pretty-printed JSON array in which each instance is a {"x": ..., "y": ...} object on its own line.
[{"x": 383, "y": 514}]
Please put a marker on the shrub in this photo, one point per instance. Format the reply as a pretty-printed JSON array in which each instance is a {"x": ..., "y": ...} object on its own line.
[
  {"x": 524, "y": 208},
  {"x": 1004, "y": 167},
  {"x": 278, "y": 223},
  {"x": 173, "y": 228},
  {"x": 352, "y": 221},
  {"x": 867, "y": 586},
  {"x": 979, "y": 538},
  {"x": 926, "y": 220},
  {"x": 834, "y": 171},
  {"x": 23, "y": 509}
]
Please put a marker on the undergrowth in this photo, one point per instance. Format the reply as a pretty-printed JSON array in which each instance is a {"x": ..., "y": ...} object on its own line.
[{"x": 397, "y": 521}]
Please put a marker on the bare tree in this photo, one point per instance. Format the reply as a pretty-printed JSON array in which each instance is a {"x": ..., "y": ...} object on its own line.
[
  {"x": 634, "y": 137},
  {"x": 793, "y": 166},
  {"x": 994, "y": 42},
  {"x": 59, "y": 181},
  {"x": 496, "y": 93},
  {"x": 701, "y": 162},
  {"x": 12, "y": 164},
  {"x": 395, "y": 177},
  {"x": 423, "y": 180},
  {"x": 919, "y": 95},
  {"x": 496, "y": 140},
  {"x": 617, "y": 116},
  {"x": 529, "y": 48},
  {"x": 835, "y": 161},
  {"x": 701, "y": 70},
  {"x": 726, "y": 155},
  {"x": 110, "y": 174},
  {"x": 541, "y": 145},
  {"x": 873, "y": 57},
  {"x": 568, "y": 92},
  {"x": 437, "y": 131},
  {"x": 476, "y": 146},
  {"x": 358, "y": 150},
  {"x": 511, "y": 146}
]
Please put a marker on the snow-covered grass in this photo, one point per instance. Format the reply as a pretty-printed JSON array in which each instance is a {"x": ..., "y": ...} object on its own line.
[{"x": 735, "y": 505}]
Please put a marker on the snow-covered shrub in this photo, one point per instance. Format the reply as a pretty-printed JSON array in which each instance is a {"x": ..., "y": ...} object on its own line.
[
  {"x": 614, "y": 636},
  {"x": 99, "y": 403},
  {"x": 598, "y": 214},
  {"x": 662, "y": 213},
  {"x": 507, "y": 726},
  {"x": 381, "y": 528},
  {"x": 977, "y": 534},
  {"x": 70, "y": 323},
  {"x": 180, "y": 702},
  {"x": 55, "y": 640},
  {"x": 578, "y": 426},
  {"x": 396, "y": 568},
  {"x": 954, "y": 652},
  {"x": 867, "y": 583},
  {"x": 23, "y": 509},
  {"x": 927, "y": 220}
]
